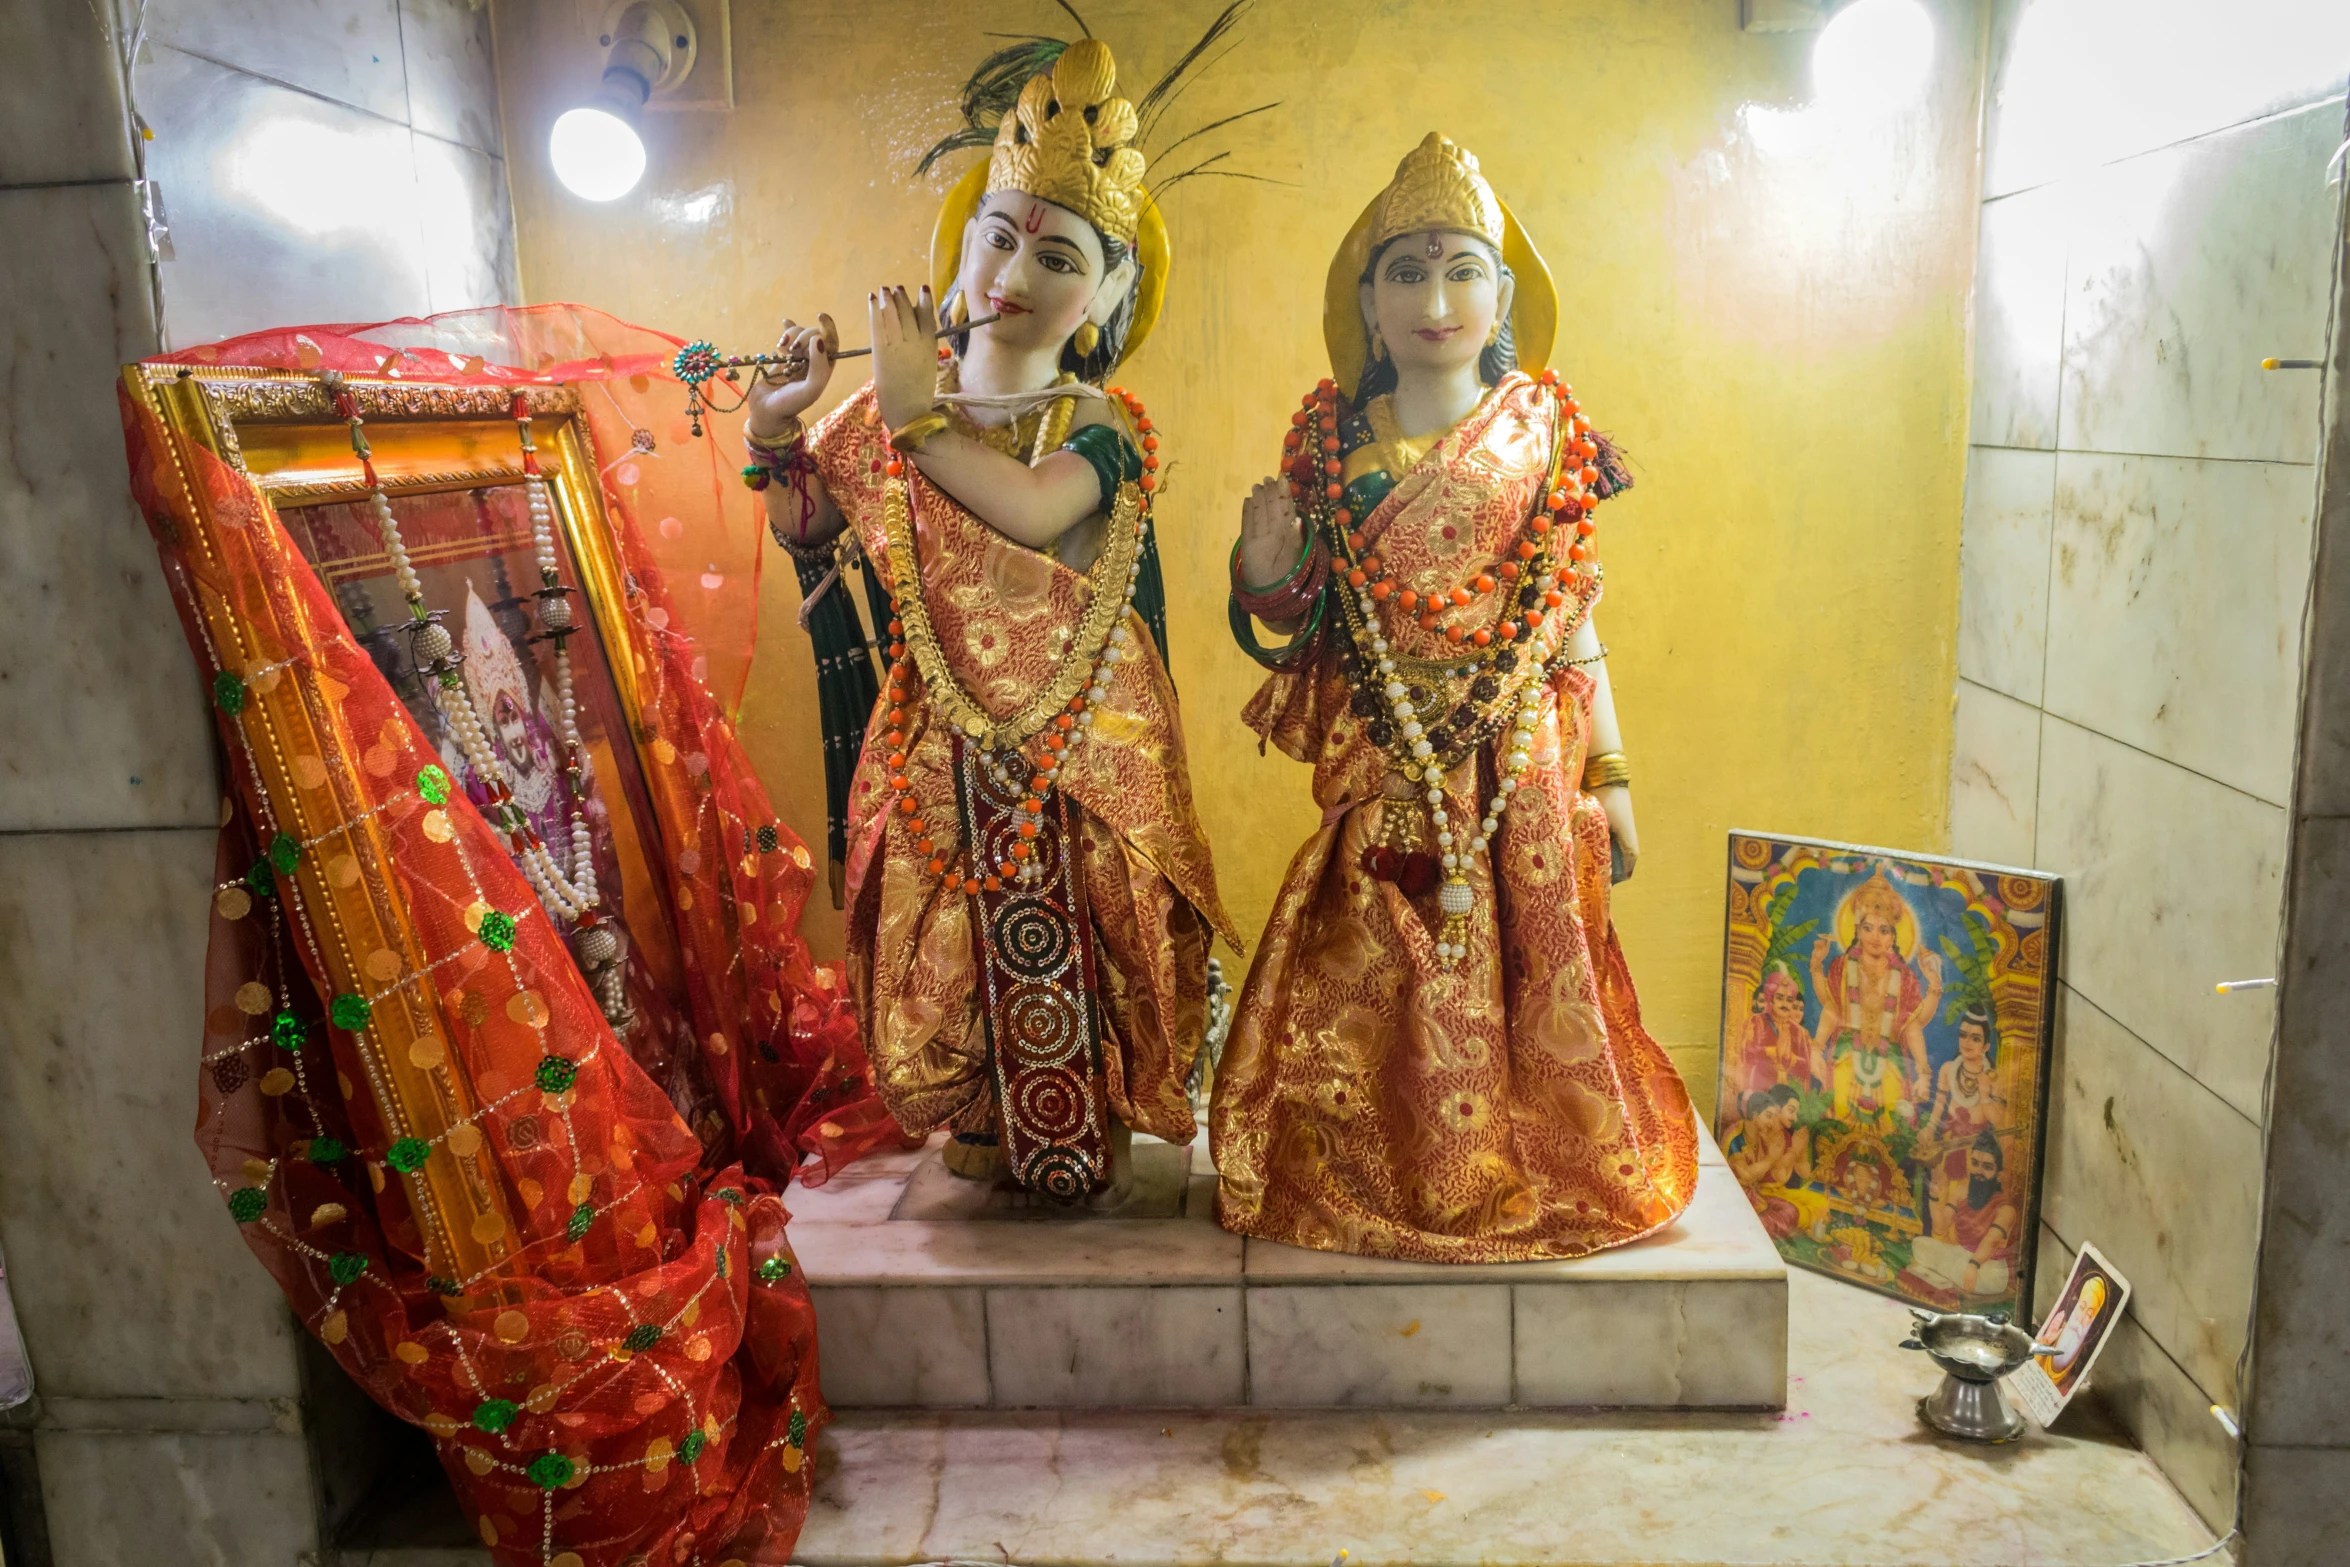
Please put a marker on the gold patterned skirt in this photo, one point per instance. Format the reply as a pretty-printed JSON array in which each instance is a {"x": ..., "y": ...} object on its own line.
[{"x": 1372, "y": 1100}]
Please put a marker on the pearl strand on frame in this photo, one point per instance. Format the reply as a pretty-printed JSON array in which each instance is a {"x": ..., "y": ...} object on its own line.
[{"x": 569, "y": 894}]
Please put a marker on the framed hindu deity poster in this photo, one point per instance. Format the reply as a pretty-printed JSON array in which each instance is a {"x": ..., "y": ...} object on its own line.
[{"x": 1884, "y": 1063}]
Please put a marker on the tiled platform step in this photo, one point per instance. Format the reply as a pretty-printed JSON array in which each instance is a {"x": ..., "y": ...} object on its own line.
[{"x": 930, "y": 1294}]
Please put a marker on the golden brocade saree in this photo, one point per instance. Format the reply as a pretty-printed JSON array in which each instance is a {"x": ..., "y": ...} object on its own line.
[
  {"x": 1139, "y": 877},
  {"x": 1372, "y": 1099}
]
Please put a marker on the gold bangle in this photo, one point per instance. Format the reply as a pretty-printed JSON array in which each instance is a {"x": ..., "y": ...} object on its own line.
[
  {"x": 782, "y": 441},
  {"x": 1607, "y": 770},
  {"x": 910, "y": 436}
]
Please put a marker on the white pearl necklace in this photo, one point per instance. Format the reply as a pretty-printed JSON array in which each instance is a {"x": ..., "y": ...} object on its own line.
[
  {"x": 1455, "y": 897},
  {"x": 567, "y": 893}
]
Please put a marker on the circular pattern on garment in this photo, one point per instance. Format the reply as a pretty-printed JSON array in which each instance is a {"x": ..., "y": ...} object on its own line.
[
  {"x": 1050, "y": 1103},
  {"x": 1062, "y": 1174},
  {"x": 1031, "y": 940},
  {"x": 1046, "y": 1024}
]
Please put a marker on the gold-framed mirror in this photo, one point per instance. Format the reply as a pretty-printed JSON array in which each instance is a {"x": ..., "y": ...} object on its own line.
[{"x": 451, "y": 463}]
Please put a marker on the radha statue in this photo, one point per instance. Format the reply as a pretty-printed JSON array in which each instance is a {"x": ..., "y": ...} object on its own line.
[
  {"x": 1438, "y": 1053},
  {"x": 1030, "y": 898}
]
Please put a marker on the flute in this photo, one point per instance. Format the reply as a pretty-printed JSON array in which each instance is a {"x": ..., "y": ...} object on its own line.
[{"x": 838, "y": 354}]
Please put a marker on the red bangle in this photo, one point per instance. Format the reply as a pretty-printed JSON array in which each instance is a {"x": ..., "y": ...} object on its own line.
[{"x": 1291, "y": 597}]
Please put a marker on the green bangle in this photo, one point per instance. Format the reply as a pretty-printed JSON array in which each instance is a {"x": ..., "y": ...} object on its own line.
[
  {"x": 1244, "y": 632},
  {"x": 1304, "y": 558}
]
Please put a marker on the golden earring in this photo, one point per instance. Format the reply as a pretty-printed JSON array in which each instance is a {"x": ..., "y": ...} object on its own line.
[
  {"x": 1088, "y": 338},
  {"x": 1378, "y": 345},
  {"x": 958, "y": 312},
  {"x": 1494, "y": 336}
]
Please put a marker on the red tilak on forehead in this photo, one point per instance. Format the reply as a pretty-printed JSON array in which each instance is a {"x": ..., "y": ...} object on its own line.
[{"x": 1035, "y": 217}]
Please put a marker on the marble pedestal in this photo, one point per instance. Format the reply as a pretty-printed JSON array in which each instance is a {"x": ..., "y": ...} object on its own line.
[{"x": 933, "y": 1294}]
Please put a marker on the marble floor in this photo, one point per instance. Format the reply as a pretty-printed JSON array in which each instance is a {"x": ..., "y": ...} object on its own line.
[{"x": 1844, "y": 1475}]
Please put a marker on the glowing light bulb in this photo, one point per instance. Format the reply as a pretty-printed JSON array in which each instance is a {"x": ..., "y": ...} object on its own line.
[
  {"x": 597, "y": 155},
  {"x": 1873, "y": 56}
]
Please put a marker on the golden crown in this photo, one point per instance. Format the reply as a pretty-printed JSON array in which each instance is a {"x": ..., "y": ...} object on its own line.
[
  {"x": 1066, "y": 142},
  {"x": 1437, "y": 186}
]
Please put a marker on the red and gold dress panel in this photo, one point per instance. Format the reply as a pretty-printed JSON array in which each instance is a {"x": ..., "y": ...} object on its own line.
[
  {"x": 1003, "y": 614},
  {"x": 1373, "y": 1100}
]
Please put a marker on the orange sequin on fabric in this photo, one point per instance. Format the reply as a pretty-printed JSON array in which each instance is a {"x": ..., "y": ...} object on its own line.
[
  {"x": 1371, "y": 1100},
  {"x": 1003, "y": 613}
]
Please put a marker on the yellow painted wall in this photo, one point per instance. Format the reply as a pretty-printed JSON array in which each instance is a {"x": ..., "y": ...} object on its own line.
[{"x": 1766, "y": 307}]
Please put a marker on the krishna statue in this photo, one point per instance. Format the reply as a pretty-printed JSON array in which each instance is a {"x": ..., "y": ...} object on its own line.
[
  {"x": 1030, "y": 899},
  {"x": 1438, "y": 1053}
]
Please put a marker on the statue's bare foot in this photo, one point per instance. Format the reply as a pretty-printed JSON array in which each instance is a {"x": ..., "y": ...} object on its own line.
[
  {"x": 1121, "y": 1185},
  {"x": 973, "y": 1161}
]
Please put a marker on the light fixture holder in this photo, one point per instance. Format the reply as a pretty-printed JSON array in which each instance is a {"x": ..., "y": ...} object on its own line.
[
  {"x": 1784, "y": 16},
  {"x": 681, "y": 51}
]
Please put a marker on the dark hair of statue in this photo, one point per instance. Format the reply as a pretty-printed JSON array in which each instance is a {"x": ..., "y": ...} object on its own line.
[
  {"x": 1499, "y": 358},
  {"x": 1089, "y": 368}
]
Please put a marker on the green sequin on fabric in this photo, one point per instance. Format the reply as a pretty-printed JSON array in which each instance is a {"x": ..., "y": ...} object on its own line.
[
  {"x": 554, "y": 1074},
  {"x": 247, "y": 1203},
  {"x": 497, "y": 931},
  {"x": 576, "y": 1227},
  {"x": 350, "y": 1013},
  {"x": 228, "y": 693},
  {"x": 285, "y": 852},
  {"x": 433, "y": 784},
  {"x": 289, "y": 1031},
  {"x": 774, "y": 1270},
  {"x": 641, "y": 1338},
  {"x": 326, "y": 1150},
  {"x": 549, "y": 1471},
  {"x": 344, "y": 1266},
  {"x": 494, "y": 1414},
  {"x": 691, "y": 1448},
  {"x": 408, "y": 1155}
]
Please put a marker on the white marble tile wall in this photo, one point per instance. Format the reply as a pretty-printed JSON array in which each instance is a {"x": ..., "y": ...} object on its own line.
[
  {"x": 2296, "y": 1505},
  {"x": 2003, "y": 569},
  {"x": 2137, "y": 552},
  {"x": 2187, "y": 267},
  {"x": 318, "y": 159},
  {"x": 2147, "y": 1163},
  {"x": 99, "y": 701},
  {"x": 2019, "y": 320},
  {"x": 2174, "y": 613},
  {"x": 107, "y": 1211},
  {"x": 72, "y": 128},
  {"x": 116, "y": 1496},
  {"x": 2173, "y": 883},
  {"x": 2076, "y": 84},
  {"x": 1995, "y": 781}
]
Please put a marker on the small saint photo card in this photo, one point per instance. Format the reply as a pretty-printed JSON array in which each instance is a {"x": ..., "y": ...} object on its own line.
[{"x": 2074, "y": 1335}]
